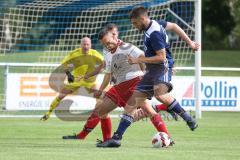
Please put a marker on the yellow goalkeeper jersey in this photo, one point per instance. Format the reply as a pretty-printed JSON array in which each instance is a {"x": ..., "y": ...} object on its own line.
[{"x": 83, "y": 63}]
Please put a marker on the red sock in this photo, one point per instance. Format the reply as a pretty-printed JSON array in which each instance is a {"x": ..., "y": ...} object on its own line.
[
  {"x": 159, "y": 124},
  {"x": 91, "y": 123},
  {"x": 106, "y": 126},
  {"x": 161, "y": 107}
]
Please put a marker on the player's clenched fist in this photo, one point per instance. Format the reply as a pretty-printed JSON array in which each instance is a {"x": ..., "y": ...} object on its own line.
[
  {"x": 194, "y": 45},
  {"x": 97, "y": 94}
]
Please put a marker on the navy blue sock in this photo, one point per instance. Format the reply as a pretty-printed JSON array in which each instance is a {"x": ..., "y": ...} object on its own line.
[
  {"x": 176, "y": 107},
  {"x": 125, "y": 122}
]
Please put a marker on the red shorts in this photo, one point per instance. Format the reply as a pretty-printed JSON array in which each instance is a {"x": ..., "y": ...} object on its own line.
[{"x": 120, "y": 93}]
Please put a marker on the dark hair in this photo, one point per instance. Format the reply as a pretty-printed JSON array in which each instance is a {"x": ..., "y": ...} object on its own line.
[
  {"x": 138, "y": 11},
  {"x": 110, "y": 26},
  {"x": 105, "y": 30},
  {"x": 102, "y": 33}
]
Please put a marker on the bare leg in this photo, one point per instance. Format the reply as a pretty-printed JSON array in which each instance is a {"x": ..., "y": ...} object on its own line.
[
  {"x": 94, "y": 119},
  {"x": 99, "y": 113},
  {"x": 104, "y": 106},
  {"x": 160, "y": 92},
  {"x": 137, "y": 99}
]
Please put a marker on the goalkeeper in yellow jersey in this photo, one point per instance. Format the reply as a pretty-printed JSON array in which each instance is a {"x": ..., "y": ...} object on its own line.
[{"x": 88, "y": 63}]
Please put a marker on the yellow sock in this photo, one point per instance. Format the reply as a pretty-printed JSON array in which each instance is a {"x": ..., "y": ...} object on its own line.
[{"x": 54, "y": 104}]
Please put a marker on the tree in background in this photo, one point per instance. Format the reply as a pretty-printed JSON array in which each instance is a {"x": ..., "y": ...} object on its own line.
[
  {"x": 235, "y": 36},
  {"x": 218, "y": 24}
]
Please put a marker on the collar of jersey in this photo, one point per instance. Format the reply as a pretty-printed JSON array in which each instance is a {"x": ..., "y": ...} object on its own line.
[{"x": 149, "y": 25}]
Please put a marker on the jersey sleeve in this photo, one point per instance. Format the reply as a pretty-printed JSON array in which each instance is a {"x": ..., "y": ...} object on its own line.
[
  {"x": 163, "y": 23},
  {"x": 71, "y": 55},
  {"x": 136, "y": 52},
  {"x": 157, "y": 41},
  {"x": 98, "y": 56},
  {"x": 66, "y": 60}
]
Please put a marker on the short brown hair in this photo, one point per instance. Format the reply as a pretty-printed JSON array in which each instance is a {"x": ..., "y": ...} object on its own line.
[
  {"x": 110, "y": 26},
  {"x": 102, "y": 33},
  {"x": 138, "y": 11}
]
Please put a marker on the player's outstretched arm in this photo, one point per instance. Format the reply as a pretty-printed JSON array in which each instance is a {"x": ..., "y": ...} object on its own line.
[
  {"x": 180, "y": 32},
  {"x": 158, "y": 58}
]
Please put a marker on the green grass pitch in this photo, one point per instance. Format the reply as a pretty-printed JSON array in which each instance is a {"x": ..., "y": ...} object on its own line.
[{"x": 217, "y": 138}]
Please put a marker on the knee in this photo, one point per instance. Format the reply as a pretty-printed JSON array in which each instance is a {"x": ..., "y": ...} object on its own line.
[
  {"x": 97, "y": 110},
  {"x": 61, "y": 96},
  {"x": 104, "y": 116},
  {"x": 159, "y": 97},
  {"x": 131, "y": 102},
  {"x": 64, "y": 93},
  {"x": 151, "y": 113},
  {"x": 166, "y": 99},
  {"x": 129, "y": 109}
]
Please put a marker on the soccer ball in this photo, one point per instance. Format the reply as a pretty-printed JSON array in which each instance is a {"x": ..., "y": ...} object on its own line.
[{"x": 161, "y": 140}]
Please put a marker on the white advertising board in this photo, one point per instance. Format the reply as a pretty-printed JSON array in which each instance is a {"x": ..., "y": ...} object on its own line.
[{"x": 32, "y": 92}]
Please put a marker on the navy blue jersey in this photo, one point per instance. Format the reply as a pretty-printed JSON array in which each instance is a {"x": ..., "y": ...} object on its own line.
[
  {"x": 155, "y": 38},
  {"x": 163, "y": 23}
]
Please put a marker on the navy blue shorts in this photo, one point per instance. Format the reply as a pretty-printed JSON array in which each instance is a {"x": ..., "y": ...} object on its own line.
[{"x": 152, "y": 78}]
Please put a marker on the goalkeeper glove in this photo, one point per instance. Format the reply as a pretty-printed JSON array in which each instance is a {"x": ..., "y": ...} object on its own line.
[{"x": 70, "y": 77}]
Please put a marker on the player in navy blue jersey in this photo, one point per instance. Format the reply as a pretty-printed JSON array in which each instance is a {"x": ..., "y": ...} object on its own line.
[
  {"x": 159, "y": 62},
  {"x": 173, "y": 27}
]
